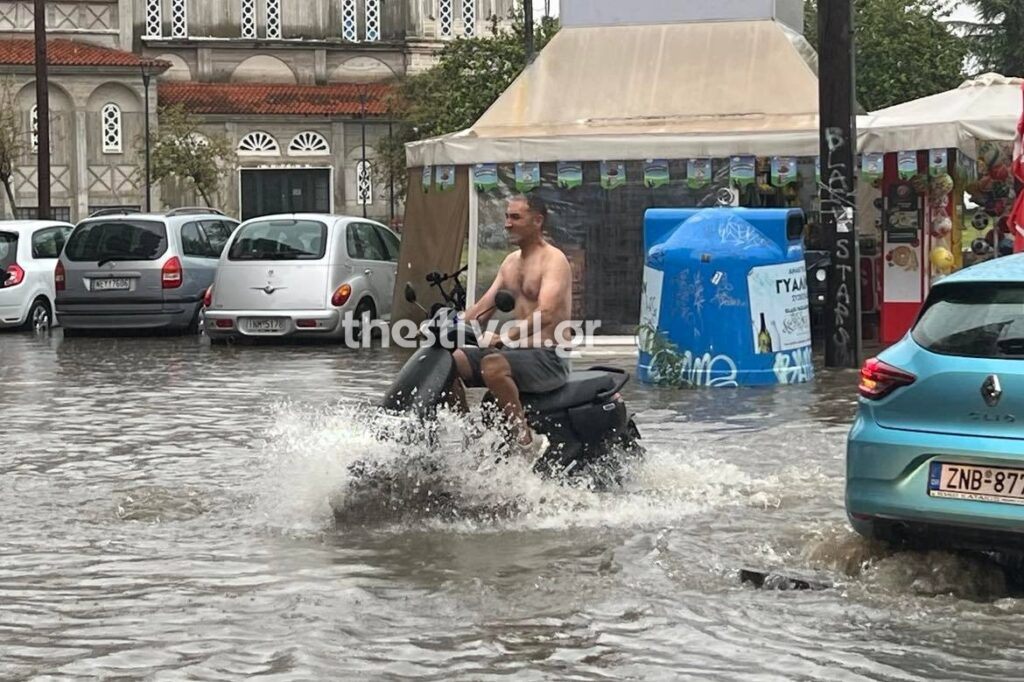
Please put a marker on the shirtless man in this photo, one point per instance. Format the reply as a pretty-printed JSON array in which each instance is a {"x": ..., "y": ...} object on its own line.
[{"x": 540, "y": 278}]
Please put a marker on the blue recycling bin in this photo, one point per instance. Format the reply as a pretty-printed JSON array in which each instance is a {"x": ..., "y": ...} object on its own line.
[{"x": 724, "y": 299}]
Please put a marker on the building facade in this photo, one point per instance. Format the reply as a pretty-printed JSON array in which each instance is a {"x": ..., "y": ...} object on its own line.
[{"x": 299, "y": 88}]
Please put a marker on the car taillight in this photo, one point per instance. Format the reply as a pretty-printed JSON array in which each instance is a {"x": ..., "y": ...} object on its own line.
[
  {"x": 341, "y": 295},
  {"x": 15, "y": 275},
  {"x": 171, "y": 275},
  {"x": 58, "y": 277},
  {"x": 208, "y": 297},
  {"x": 879, "y": 379}
]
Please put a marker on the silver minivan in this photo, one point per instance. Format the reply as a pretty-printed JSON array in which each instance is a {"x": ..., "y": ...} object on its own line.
[
  {"x": 299, "y": 275},
  {"x": 139, "y": 271}
]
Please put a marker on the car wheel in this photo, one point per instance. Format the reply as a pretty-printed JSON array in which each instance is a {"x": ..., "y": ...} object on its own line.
[
  {"x": 40, "y": 317},
  {"x": 365, "y": 306}
]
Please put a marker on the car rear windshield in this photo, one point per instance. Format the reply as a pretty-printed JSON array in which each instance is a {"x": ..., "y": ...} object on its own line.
[
  {"x": 117, "y": 239},
  {"x": 8, "y": 249},
  {"x": 979, "y": 319},
  {"x": 280, "y": 240}
]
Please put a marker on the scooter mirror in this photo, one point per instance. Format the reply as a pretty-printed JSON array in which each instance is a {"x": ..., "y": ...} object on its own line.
[
  {"x": 504, "y": 301},
  {"x": 410, "y": 293}
]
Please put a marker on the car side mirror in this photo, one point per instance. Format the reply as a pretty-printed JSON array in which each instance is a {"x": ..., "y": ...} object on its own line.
[
  {"x": 410, "y": 293},
  {"x": 505, "y": 301}
]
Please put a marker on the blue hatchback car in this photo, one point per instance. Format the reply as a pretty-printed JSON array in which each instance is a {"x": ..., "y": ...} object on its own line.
[{"x": 935, "y": 457}]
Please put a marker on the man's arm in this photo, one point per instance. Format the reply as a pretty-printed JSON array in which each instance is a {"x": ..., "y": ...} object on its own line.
[{"x": 483, "y": 309}]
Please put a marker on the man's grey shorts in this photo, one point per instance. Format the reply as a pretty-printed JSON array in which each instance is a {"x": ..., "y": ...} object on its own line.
[{"x": 535, "y": 370}]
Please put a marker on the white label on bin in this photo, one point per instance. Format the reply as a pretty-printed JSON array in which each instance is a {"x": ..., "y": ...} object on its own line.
[
  {"x": 717, "y": 278},
  {"x": 779, "y": 317},
  {"x": 650, "y": 308}
]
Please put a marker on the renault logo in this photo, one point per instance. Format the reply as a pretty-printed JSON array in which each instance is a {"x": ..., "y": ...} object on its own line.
[{"x": 991, "y": 390}]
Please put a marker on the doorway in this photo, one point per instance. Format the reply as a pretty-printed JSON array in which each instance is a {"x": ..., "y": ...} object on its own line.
[{"x": 285, "y": 190}]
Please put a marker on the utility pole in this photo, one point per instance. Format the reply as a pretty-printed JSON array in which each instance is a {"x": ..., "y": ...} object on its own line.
[
  {"x": 836, "y": 87},
  {"x": 42, "y": 114},
  {"x": 528, "y": 28}
]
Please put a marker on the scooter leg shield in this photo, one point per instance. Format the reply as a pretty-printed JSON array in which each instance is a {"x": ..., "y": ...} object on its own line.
[{"x": 422, "y": 384}]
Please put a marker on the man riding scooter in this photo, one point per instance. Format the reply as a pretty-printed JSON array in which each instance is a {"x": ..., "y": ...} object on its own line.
[{"x": 539, "y": 276}]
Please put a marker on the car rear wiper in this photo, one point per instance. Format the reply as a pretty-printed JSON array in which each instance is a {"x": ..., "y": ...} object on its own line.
[{"x": 109, "y": 258}]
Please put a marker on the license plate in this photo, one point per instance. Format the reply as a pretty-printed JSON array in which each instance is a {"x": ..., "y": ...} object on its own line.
[
  {"x": 981, "y": 483},
  {"x": 269, "y": 325},
  {"x": 112, "y": 284}
]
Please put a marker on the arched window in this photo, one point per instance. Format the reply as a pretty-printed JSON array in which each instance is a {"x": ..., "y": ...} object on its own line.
[
  {"x": 111, "y": 121},
  {"x": 258, "y": 143},
  {"x": 364, "y": 183},
  {"x": 309, "y": 143}
]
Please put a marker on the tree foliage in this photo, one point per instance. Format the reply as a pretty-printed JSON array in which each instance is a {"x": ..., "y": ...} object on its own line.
[
  {"x": 12, "y": 139},
  {"x": 996, "y": 40},
  {"x": 180, "y": 150},
  {"x": 469, "y": 76},
  {"x": 904, "y": 49}
]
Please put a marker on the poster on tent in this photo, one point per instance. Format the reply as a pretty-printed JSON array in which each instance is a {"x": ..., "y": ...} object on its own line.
[
  {"x": 906, "y": 164},
  {"x": 741, "y": 170},
  {"x": 527, "y": 176},
  {"x": 428, "y": 178},
  {"x": 698, "y": 173},
  {"x": 783, "y": 170},
  {"x": 937, "y": 162},
  {"x": 613, "y": 174},
  {"x": 656, "y": 173},
  {"x": 872, "y": 166},
  {"x": 570, "y": 174},
  {"x": 485, "y": 176},
  {"x": 780, "y": 320},
  {"x": 445, "y": 178}
]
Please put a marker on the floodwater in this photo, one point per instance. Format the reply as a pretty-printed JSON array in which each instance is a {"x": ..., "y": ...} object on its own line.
[{"x": 167, "y": 512}]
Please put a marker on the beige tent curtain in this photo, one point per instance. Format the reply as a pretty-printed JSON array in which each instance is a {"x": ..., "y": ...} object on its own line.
[{"x": 434, "y": 232}]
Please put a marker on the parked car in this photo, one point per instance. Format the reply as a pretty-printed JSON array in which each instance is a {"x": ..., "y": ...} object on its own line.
[
  {"x": 139, "y": 271},
  {"x": 28, "y": 253},
  {"x": 936, "y": 454},
  {"x": 298, "y": 275}
]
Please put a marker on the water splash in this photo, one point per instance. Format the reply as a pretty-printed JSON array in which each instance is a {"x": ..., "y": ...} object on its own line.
[{"x": 355, "y": 466}]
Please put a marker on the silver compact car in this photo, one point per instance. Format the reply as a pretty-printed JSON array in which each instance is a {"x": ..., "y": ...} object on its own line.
[
  {"x": 139, "y": 271},
  {"x": 300, "y": 275}
]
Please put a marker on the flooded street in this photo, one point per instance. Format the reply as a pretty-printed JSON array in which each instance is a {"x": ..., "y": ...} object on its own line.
[{"x": 167, "y": 511}]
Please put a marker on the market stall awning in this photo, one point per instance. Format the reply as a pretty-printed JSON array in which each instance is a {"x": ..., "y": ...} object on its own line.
[
  {"x": 986, "y": 108},
  {"x": 673, "y": 90}
]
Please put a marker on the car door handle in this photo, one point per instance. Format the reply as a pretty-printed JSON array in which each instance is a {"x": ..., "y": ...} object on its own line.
[{"x": 367, "y": 272}]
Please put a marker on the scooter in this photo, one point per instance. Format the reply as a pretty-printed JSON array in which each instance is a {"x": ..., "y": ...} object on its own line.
[{"x": 589, "y": 430}]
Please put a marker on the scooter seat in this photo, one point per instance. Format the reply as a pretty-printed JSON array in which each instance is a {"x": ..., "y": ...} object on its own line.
[{"x": 581, "y": 388}]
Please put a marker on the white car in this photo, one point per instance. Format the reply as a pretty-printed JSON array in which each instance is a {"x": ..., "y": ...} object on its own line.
[
  {"x": 300, "y": 275},
  {"x": 28, "y": 255}
]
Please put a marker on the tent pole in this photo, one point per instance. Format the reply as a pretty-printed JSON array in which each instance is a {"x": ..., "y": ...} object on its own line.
[{"x": 474, "y": 233}]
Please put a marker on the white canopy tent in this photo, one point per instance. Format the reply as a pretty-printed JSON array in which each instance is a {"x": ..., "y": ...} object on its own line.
[
  {"x": 986, "y": 108},
  {"x": 669, "y": 90}
]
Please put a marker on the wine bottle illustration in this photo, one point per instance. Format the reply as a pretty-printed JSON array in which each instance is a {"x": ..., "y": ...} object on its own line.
[{"x": 764, "y": 339}]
